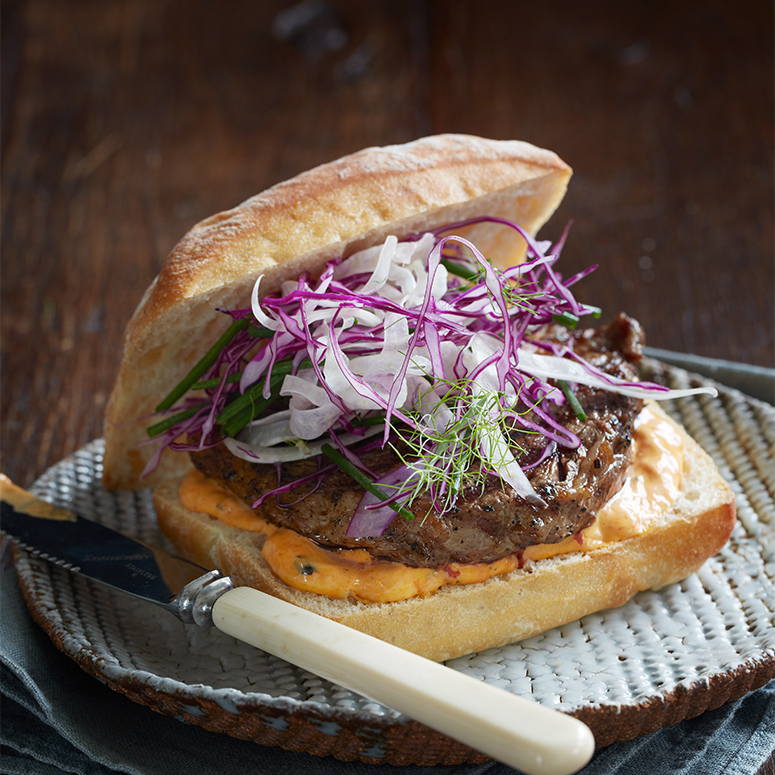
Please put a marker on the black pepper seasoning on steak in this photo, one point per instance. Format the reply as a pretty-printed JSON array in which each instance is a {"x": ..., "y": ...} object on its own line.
[{"x": 488, "y": 522}]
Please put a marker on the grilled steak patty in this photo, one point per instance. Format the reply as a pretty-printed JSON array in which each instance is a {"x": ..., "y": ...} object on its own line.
[{"x": 487, "y": 522}]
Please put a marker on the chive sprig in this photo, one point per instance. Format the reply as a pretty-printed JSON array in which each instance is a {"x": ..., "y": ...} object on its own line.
[{"x": 335, "y": 456}]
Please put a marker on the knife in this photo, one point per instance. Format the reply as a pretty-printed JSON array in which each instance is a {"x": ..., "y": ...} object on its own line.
[{"x": 504, "y": 726}]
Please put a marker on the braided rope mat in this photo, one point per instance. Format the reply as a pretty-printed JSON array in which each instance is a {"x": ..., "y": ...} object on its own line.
[{"x": 663, "y": 657}]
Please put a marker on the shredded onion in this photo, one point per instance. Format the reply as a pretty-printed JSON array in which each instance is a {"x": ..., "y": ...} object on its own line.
[{"x": 448, "y": 361}]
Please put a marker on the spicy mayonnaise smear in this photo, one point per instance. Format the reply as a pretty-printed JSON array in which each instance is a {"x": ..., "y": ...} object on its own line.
[{"x": 652, "y": 485}]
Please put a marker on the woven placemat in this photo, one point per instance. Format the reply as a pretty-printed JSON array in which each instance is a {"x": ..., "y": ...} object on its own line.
[{"x": 663, "y": 657}]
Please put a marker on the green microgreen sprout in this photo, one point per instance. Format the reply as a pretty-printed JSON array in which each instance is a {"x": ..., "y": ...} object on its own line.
[{"x": 452, "y": 430}]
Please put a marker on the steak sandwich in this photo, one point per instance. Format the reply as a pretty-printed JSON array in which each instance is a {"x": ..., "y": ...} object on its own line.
[{"x": 370, "y": 391}]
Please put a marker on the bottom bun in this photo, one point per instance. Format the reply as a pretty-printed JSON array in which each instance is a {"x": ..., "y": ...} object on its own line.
[{"x": 459, "y": 620}]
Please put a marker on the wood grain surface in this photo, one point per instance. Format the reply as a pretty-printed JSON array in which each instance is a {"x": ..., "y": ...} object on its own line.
[{"x": 125, "y": 122}]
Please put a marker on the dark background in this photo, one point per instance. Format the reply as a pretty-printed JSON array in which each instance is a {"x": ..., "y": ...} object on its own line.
[{"x": 125, "y": 122}]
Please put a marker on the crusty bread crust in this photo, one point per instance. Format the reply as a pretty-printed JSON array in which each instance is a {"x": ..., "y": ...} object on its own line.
[
  {"x": 296, "y": 226},
  {"x": 458, "y": 620}
]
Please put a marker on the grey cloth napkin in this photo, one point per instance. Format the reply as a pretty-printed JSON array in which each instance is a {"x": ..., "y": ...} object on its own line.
[{"x": 56, "y": 720}]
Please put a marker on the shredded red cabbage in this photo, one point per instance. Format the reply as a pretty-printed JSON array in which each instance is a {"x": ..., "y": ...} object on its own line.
[{"x": 390, "y": 335}]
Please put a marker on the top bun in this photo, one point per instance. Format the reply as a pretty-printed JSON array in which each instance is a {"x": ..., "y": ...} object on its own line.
[{"x": 296, "y": 226}]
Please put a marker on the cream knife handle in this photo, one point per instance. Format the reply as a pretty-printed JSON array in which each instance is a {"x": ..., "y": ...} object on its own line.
[{"x": 504, "y": 726}]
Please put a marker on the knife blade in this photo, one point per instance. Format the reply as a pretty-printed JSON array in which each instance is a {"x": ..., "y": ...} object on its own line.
[
  {"x": 504, "y": 726},
  {"x": 93, "y": 550}
]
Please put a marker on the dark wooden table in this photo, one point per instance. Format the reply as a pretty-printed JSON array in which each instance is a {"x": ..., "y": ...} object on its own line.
[{"x": 126, "y": 121}]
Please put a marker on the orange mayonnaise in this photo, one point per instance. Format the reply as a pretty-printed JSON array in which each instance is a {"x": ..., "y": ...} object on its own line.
[{"x": 652, "y": 485}]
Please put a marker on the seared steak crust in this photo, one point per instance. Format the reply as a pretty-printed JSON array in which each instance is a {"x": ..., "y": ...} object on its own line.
[{"x": 486, "y": 523}]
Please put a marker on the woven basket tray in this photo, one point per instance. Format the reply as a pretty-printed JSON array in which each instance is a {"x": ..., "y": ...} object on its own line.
[{"x": 663, "y": 657}]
